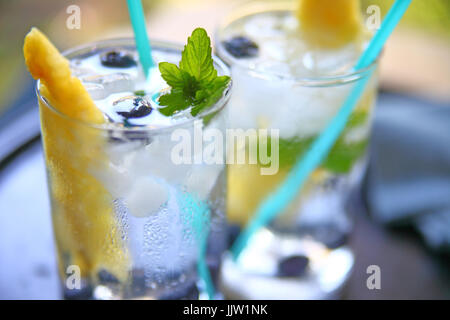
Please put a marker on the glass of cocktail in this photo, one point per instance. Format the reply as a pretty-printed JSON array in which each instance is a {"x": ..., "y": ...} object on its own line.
[
  {"x": 291, "y": 63},
  {"x": 130, "y": 219}
]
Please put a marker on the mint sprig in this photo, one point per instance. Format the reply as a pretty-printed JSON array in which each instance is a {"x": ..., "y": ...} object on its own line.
[{"x": 195, "y": 83}]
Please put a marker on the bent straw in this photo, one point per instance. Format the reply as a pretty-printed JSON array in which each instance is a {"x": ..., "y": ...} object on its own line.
[
  {"x": 140, "y": 32},
  {"x": 277, "y": 202}
]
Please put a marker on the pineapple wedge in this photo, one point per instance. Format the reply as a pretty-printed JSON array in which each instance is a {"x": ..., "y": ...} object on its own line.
[
  {"x": 330, "y": 23},
  {"x": 86, "y": 230}
]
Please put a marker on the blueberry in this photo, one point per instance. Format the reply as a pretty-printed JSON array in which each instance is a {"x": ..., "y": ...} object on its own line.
[
  {"x": 241, "y": 47},
  {"x": 141, "y": 109},
  {"x": 117, "y": 59},
  {"x": 105, "y": 277},
  {"x": 138, "y": 283},
  {"x": 83, "y": 293},
  {"x": 181, "y": 292},
  {"x": 294, "y": 266}
]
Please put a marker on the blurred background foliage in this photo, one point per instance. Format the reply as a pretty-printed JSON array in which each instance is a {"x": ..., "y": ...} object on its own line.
[{"x": 102, "y": 18}]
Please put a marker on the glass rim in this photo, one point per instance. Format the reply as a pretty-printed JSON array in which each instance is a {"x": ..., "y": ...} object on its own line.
[
  {"x": 156, "y": 44},
  {"x": 257, "y": 6}
]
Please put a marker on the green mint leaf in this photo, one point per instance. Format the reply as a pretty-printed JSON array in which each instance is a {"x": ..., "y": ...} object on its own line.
[
  {"x": 182, "y": 94},
  {"x": 172, "y": 74},
  {"x": 343, "y": 156},
  {"x": 174, "y": 102},
  {"x": 140, "y": 93},
  {"x": 196, "y": 58},
  {"x": 195, "y": 82},
  {"x": 358, "y": 118},
  {"x": 210, "y": 95}
]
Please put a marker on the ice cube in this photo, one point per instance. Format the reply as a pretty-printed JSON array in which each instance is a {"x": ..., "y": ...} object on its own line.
[
  {"x": 81, "y": 72},
  {"x": 275, "y": 49},
  {"x": 153, "y": 159},
  {"x": 263, "y": 26},
  {"x": 96, "y": 91},
  {"x": 202, "y": 179},
  {"x": 308, "y": 110},
  {"x": 146, "y": 197},
  {"x": 274, "y": 67},
  {"x": 156, "y": 159},
  {"x": 303, "y": 112},
  {"x": 78, "y": 70},
  {"x": 330, "y": 62},
  {"x": 290, "y": 24},
  {"x": 115, "y": 179},
  {"x": 113, "y": 83}
]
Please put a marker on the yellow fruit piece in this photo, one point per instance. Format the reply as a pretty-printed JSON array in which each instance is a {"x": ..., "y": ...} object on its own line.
[
  {"x": 246, "y": 189},
  {"x": 330, "y": 23},
  {"x": 86, "y": 229},
  {"x": 67, "y": 93}
]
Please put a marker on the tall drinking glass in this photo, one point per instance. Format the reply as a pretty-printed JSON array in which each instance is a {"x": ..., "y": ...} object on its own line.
[
  {"x": 283, "y": 82},
  {"x": 130, "y": 220}
]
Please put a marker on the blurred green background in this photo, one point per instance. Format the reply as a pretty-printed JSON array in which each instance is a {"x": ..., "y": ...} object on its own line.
[{"x": 173, "y": 19}]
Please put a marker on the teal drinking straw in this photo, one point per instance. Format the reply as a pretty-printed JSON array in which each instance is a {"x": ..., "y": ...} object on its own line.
[
  {"x": 277, "y": 202},
  {"x": 140, "y": 32}
]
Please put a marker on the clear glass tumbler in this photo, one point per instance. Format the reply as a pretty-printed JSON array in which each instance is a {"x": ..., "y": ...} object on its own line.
[
  {"x": 303, "y": 253},
  {"x": 129, "y": 222}
]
